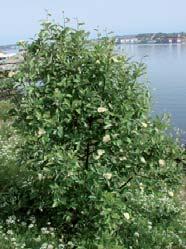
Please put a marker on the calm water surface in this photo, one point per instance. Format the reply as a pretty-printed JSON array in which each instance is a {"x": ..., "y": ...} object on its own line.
[{"x": 166, "y": 67}]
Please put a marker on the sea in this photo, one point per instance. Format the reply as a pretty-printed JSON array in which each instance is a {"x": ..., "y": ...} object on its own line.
[
  {"x": 166, "y": 78},
  {"x": 9, "y": 49}
]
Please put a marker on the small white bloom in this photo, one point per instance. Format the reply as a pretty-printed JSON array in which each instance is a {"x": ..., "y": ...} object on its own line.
[
  {"x": 149, "y": 227},
  {"x": 127, "y": 216},
  {"x": 142, "y": 159},
  {"x": 10, "y": 232},
  {"x": 44, "y": 246},
  {"x": 41, "y": 132},
  {"x": 32, "y": 219},
  {"x": 136, "y": 234},
  {"x": 161, "y": 162},
  {"x": 102, "y": 109},
  {"x": 51, "y": 229},
  {"x": 107, "y": 176},
  {"x": 123, "y": 158},
  {"x": 31, "y": 226},
  {"x": 11, "y": 220},
  {"x": 44, "y": 230},
  {"x": 40, "y": 177},
  {"x": 97, "y": 61},
  {"x": 106, "y": 138},
  {"x": 70, "y": 173},
  {"x": 100, "y": 152},
  {"x": 141, "y": 186},
  {"x": 50, "y": 247},
  {"x": 170, "y": 193},
  {"x": 144, "y": 124}
]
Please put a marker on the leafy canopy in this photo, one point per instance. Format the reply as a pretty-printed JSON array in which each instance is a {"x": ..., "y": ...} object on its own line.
[{"x": 101, "y": 170}]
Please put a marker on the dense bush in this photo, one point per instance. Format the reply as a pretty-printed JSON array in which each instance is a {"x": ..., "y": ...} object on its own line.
[{"x": 95, "y": 165}]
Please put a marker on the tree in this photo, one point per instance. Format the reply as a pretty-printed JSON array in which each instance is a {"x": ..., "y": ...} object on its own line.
[{"x": 100, "y": 169}]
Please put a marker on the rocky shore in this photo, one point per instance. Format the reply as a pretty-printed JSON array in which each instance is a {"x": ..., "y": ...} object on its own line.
[{"x": 9, "y": 65}]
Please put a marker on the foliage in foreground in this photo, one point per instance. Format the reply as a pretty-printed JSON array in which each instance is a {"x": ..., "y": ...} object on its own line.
[{"x": 93, "y": 164}]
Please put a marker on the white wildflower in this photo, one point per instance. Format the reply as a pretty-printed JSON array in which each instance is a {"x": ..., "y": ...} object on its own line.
[
  {"x": 100, "y": 152},
  {"x": 107, "y": 176},
  {"x": 161, "y": 162},
  {"x": 123, "y": 158},
  {"x": 106, "y": 138},
  {"x": 44, "y": 230},
  {"x": 50, "y": 247},
  {"x": 32, "y": 219},
  {"x": 144, "y": 124},
  {"x": 40, "y": 177},
  {"x": 10, "y": 232},
  {"x": 127, "y": 216},
  {"x": 31, "y": 226},
  {"x": 149, "y": 227},
  {"x": 141, "y": 186},
  {"x": 170, "y": 193},
  {"x": 70, "y": 173},
  {"x": 97, "y": 61},
  {"x": 23, "y": 246},
  {"x": 41, "y": 132},
  {"x": 102, "y": 109},
  {"x": 44, "y": 246},
  {"x": 142, "y": 159},
  {"x": 51, "y": 229},
  {"x": 11, "y": 220},
  {"x": 136, "y": 234}
]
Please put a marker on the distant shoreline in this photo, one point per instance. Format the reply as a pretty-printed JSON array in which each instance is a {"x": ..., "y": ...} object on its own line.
[{"x": 152, "y": 44}]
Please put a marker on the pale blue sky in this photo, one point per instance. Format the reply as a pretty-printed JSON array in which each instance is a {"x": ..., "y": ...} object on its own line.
[{"x": 19, "y": 19}]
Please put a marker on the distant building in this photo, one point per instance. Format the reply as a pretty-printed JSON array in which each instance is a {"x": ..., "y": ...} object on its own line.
[{"x": 127, "y": 39}]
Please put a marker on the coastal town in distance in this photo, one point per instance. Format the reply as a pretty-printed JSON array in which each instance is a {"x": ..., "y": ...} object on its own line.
[{"x": 152, "y": 38}]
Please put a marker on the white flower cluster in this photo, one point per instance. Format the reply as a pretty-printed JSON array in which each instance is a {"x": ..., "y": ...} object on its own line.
[
  {"x": 46, "y": 238},
  {"x": 7, "y": 148}
]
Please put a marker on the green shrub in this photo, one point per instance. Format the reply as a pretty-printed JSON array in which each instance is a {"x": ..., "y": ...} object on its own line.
[
  {"x": 99, "y": 168},
  {"x": 5, "y": 106}
]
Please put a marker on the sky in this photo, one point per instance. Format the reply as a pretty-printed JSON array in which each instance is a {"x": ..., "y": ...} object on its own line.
[{"x": 20, "y": 19}]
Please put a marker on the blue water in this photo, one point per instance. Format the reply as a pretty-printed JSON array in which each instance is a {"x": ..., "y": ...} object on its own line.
[
  {"x": 9, "y": 50},
  {"x": 166, "y": 68}
]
